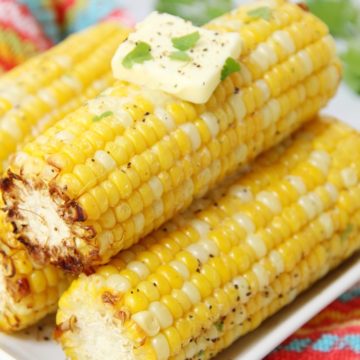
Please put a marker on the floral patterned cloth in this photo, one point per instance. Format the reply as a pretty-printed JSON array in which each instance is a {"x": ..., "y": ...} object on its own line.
[
  {"x": 21, "y": 35},
  {"x": 334, "y": 334},
  {"x": 28, "y": 27}
]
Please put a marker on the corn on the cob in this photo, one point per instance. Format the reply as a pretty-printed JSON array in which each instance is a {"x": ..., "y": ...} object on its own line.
[
  {"x": 122, "y": 165},
  {"x": 43, "y": 90},
  {"x": 234, "y": 258},
  {"x": 68, "y": 74}
]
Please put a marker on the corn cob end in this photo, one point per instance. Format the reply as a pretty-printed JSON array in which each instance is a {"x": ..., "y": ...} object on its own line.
[
  {"x": 107, "y": 323},
  {"x": 28, "y": 290},
  {"x": 51, "y": 230}
]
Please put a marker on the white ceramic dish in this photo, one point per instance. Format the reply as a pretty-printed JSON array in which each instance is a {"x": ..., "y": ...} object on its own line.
[{"x": 35, "y": 344}]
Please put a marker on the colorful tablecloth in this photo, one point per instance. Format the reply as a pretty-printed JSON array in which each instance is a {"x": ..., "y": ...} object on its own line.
[
  {"x": 21, "y": 35},
  {"x": 334, "y": 334},
  {"x": 30, "y": 26}
]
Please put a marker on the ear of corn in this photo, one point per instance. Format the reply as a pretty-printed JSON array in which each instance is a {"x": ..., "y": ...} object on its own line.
[
  {"x": 122, "y": 165},
  {"x": 237, "y": 256},
  {"x": 33, "y": 97}
]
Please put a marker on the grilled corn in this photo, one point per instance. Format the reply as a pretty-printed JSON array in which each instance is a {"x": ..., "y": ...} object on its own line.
[
  {"x": 119, "y": 167},
  {"x": 237, "y": 256}
]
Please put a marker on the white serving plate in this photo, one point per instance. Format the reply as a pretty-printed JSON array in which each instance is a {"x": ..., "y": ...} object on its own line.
[{"x": 30, "y": 345}]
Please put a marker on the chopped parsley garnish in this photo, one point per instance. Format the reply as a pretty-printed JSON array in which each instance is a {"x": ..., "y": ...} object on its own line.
[
  {"x": 180, "y": 56},
  {"x": 102, "y": 116},
  {"x": 186, "y": 42},
  {"x": 201, "y": 353},
  {"x": 140, "y": 54},
  {"x": 230, "y": 66},
  {"x": 346, "y": 233},
  {"x": 219, "y": 325},
  {"x": 263, "y": 12}
]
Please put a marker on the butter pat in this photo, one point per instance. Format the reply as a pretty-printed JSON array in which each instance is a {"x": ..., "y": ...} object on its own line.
[{"x": 170, "y": 54}]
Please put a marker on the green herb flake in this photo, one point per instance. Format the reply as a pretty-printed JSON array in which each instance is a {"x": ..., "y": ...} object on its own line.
[
  {"x": 201, "y": 353},
  {"x": 102, "y": 116},
  {"x": 140, "y": 54},
  {"x": 179, "y": 56},
  {"x": 263, "y": 12},
  {"x": 219, "y": 325},
  {"x": 186, "y": 42},
  {"x": 231, "y": 66},
  {"x": 346, "y": 233}
]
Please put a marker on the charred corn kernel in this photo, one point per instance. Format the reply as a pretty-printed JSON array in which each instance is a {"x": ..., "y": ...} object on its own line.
[
  {"x": 188, "y": 148},
  {"x": 205, "y": 302}
]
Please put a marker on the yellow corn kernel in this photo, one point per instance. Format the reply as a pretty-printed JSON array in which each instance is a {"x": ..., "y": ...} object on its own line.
[
  {"x": 149, "y": 290},
  {"x": 122, "y": 182},
  {"x": 173, "y": 305},
  {"x": 135, "y": 301},
  {"x": 37, "y": 281},
  {"x": 173, "y": 337},
  {"x": 51, "y": 275},
  {"x": 22, "y": 263},
  {"x": 160, "y": 283}
]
